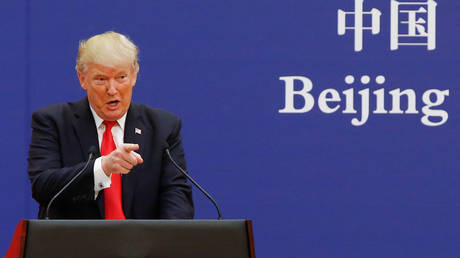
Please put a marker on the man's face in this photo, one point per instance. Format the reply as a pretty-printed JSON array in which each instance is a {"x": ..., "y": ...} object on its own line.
[{"x": 109, "y": 89}]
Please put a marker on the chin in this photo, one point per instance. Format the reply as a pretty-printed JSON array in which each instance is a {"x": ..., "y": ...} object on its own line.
[{"x": 112, "y": 116}]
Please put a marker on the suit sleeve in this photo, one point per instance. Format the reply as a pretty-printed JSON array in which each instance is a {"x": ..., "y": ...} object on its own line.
[
  {"x": 175, "y": 193},
  {"x": 46, "y": 171}
]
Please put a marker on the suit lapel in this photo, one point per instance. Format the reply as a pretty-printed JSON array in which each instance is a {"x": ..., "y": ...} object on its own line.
[
  {"x": 85, "y": 128},
  {"x": 86, "y": 131},
  {"x": 132, "y": 134}
]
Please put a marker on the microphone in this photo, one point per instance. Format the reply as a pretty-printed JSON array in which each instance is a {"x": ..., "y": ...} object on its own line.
[
  {"x": 91, "y": 152},
  {"x": 166, "y": 148}
]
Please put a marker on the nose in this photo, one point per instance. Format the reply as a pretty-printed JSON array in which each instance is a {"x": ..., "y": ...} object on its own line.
[{"x": 112, "y": 89}]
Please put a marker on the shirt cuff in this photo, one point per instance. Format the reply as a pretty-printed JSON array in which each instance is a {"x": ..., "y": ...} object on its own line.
[{"x": 101, "y": 180}]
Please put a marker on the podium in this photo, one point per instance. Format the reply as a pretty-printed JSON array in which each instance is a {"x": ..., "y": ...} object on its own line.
[{"x": 133, "y": 238}]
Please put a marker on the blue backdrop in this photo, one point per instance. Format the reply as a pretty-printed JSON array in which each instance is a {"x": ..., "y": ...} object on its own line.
[{"x": 314, "y": 184}]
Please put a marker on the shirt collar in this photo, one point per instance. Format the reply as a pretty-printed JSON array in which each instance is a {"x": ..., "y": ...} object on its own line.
[{"x": 98, "y": 120}]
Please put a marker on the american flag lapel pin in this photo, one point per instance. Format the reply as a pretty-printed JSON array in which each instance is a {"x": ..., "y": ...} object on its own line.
[{"x": 137, "y": 131}]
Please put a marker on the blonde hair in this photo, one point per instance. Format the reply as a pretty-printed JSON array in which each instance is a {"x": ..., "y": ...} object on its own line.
[{"x": 109, "y": 49}]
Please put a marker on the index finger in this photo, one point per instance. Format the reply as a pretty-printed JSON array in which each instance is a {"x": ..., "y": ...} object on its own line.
[{"x": 128, "y": 147}]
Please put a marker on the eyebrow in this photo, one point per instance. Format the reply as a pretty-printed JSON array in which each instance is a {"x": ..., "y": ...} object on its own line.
[{"x": 98, "y": 74}]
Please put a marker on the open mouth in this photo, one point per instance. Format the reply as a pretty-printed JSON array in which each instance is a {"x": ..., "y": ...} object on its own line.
[{"x": 113, "y": 102}]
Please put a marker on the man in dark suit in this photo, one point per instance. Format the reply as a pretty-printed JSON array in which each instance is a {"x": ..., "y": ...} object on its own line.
[{"x": 132, "y": 179}]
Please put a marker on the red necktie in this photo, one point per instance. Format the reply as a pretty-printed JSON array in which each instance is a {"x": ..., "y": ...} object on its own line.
[{"x": 112, "y": 195}]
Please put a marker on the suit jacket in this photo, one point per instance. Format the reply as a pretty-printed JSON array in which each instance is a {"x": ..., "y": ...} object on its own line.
[{"x": 61, "y": 137}]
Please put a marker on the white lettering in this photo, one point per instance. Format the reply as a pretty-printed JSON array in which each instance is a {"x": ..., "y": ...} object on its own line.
[
  {"x": 290, "y": 93},
  {"x": 396, "y": 109},
  {"x": 380, "y": 105},
  {"x": 364, "y": 108},
  {"x": 349, "y": 108},
  {"x": 323, "y": 99},
  {"x": 427, "y": 111},
  {"x": 330, "y": 101}
]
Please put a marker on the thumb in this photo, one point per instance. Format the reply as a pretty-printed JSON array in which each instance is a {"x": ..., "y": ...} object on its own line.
[{"x": 138, "y": 157}]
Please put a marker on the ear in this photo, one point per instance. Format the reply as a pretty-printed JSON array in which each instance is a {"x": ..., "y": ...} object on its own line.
[
  {"x": 81, "y": 78},
  {"x": 134, "y": 79}
]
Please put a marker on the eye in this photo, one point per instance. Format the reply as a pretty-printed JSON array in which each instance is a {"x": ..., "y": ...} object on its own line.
[{"x": 99, "y": 80}]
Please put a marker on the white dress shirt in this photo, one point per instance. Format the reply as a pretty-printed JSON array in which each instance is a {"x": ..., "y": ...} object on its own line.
[{"x": 101, "y": 180}]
